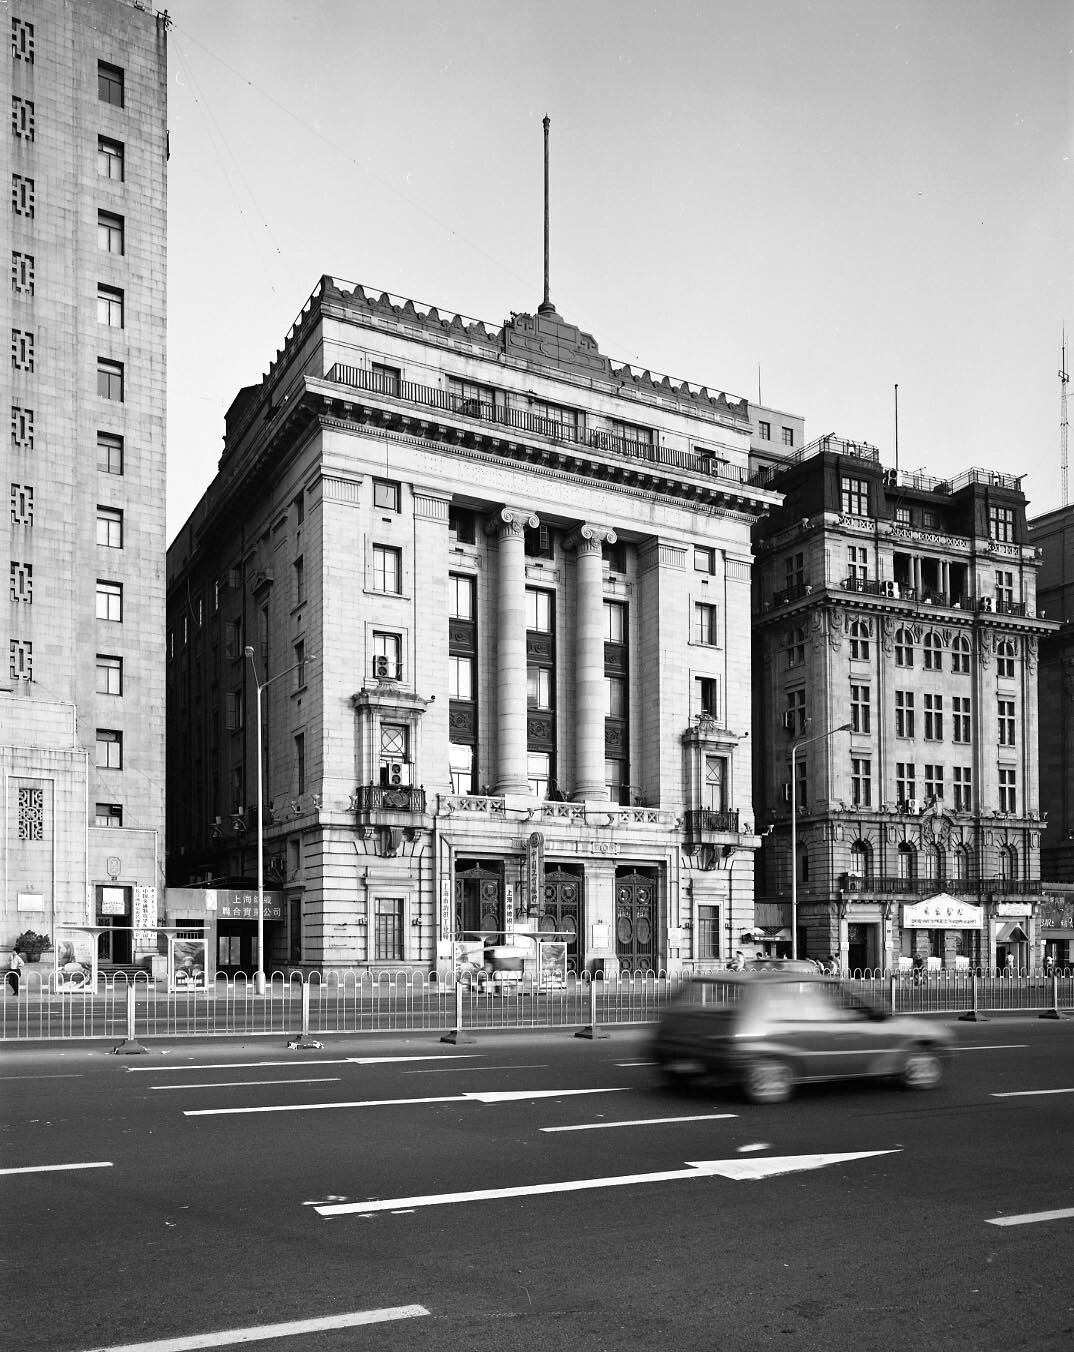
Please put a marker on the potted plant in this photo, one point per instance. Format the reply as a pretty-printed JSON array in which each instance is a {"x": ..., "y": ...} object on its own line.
[{"x": 31, "y": 945}]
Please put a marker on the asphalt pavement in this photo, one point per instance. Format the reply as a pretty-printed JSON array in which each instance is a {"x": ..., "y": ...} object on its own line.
[{"x": 529, "y": 1191}]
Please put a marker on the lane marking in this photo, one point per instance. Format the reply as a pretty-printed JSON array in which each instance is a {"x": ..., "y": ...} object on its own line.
[
  {"x": 643, "y": 1122},
  {"x": 341, "y": 1061},
  {"x": 1032, "y": 1093},
  {"x": 485, "y": 1096},
  {"x": 236, "y": 1084},
  {"x": 994, "y": 1047},
  {"x": 623, "y": 1065},
  {"x": 475, "y": 1070},
  {"x": 1034, "y": 1217},
  {"x": 56, "y": 1168},
  {"x": 740, "y": 1170},
  {"x": 292, "y": 1329},
  {"x": 6, "y": 1079}
]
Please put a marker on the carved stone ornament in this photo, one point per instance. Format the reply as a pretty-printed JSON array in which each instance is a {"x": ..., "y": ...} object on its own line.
[
  {"x": 589, "y": 539},
  {"x": 508, "y": 522},
  {"x": 887, "y": 633},
  {"x": 985, "y": 645}
]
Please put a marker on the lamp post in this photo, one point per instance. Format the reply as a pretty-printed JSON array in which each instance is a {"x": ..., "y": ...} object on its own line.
[
  {"x": 808, "y": 741},
  {"x": 259, "y": 686}
]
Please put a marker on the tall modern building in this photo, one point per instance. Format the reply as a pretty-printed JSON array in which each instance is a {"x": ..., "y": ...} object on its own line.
[
  {"x": 896, "y": 720},
  {"x": 82, "y": 691},
  {"x": 482, "y": 596}
]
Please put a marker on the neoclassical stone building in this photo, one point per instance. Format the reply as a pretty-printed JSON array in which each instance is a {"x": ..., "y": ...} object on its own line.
[
  {"x": 496, "y": 591},
  {"x": 896, "y": 669}
]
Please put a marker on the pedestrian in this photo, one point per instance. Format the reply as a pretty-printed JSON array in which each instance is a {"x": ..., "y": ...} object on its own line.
[
  {"x": 1049, "y": 964},
  {"x": 738, "y": 962},
  {"x": 14, "y": 974},
  {"x": 919, "y": 969},
  {"x": 1008, "y": 966}
]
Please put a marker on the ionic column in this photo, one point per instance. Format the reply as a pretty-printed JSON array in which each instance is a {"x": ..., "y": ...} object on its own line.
[
  {"x": 589, "y": 697},
  {"x": 511, "y": 767}
]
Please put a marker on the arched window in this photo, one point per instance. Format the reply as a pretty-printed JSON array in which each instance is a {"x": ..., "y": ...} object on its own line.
[
  {"x": 907, "y": 861},
  {"x": 904, "y": 648},
  {"x": 961, "y": 864},
  {"x": 1008, "y": 863},
  {"x": 1005, "y": 654},
  {"x": 933, "y": 652},
  {"x": 933, "y": 863},
  {"x": 960, "y": 654},
  {"x": 861, "y": 859},
  {"x": 859, "y": 641}
]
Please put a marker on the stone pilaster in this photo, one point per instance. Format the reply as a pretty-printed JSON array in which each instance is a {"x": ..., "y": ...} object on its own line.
[
  {"x": 511, "y": 769},
  {"x": 589, "y": 701}
]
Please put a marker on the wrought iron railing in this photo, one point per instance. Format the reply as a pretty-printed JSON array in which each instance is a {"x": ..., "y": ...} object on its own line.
[
  {"x": 711, "y": 819},
  {"x": 389, "y": 798}
]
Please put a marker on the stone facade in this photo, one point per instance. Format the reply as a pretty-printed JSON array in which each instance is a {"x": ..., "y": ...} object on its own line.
[
  {"x": 81, "y": 702},
  {"x": 497, "y": 592}
]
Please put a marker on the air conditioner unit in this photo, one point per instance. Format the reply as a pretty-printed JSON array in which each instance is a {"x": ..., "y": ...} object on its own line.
[
  {"x": 984, "y": 603},
  {"x": 913, "y": 806},
  {"x": 383, "y": 668},
  {"x": 397, "y": 775}
]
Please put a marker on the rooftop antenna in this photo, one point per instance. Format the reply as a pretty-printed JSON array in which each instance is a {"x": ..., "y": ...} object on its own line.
[
  {"x": 546, "y": 306},
  {"x": 896, "y": 427},
  {"x": 1064, "y": 428},
  {"x": 759, "y": 399}
]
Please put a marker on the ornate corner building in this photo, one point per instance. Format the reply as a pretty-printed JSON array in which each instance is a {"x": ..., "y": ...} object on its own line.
[
  {"x": 897, "y": 640},
  {"x": 495, "y": 590}
]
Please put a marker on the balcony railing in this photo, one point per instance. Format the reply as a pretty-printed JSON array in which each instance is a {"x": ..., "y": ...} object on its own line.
[
  {"x": 704, "y": 819},
  {"x": 390, "y": 798},
  {"x": 503, "y": 415},
  {"x": 956, "y": 887}
]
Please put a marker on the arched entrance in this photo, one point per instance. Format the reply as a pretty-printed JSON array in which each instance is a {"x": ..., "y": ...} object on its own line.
[
  {"x": 562, "y": 908},
  {"x": 636, "y": 919}
]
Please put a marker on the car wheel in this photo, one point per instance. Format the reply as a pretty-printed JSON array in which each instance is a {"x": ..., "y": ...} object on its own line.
[
  {"x": 768, "y": 1081},
  {"x": 922, "y": 1069}
]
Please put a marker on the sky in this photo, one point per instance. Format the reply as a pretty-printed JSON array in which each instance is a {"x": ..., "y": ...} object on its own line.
[{"x": 810, "y": 201}]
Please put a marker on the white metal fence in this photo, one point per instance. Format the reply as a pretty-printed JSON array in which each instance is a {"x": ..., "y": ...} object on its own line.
[{"x": 125, "y": 1008}]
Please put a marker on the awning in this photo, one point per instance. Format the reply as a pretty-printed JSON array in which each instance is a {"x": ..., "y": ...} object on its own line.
[
  {"x": 778, "y": 935},
  {"x": 1047, "y": 934},
  {"x": 1012, "y": 932}
]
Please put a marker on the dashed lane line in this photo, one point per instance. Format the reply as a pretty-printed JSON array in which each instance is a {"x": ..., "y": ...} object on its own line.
[
  {"x": 1031, "y": 1093},
  {"x": 1034, "y": 1217},
  {"x": 57, "y": 1168},
  {"x": 484, "y": 1096},
  {"x": 239, "y": 1084},
  {"x": 296, "y": 1328},
  {"x": 340, "y": 1061},
  {"x": 644, "y": 1122}
]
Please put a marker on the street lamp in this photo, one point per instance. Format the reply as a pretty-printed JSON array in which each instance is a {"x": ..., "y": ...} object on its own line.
[
  {"x": 808, "y": 741},
  {"x": 259, "y": 974}
]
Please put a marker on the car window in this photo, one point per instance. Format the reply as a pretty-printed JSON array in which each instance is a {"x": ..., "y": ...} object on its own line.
[{"x": 801, "y": 1002}]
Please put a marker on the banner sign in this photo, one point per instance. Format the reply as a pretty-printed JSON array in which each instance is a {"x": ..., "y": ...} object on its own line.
[
  {"x": 232, "y": 904},
  {"x": 76, "y": 963},
  {"x": 534, "y": 872},
  {"x": 942, "y": 912},
  {"x": 145, "y": 917}
]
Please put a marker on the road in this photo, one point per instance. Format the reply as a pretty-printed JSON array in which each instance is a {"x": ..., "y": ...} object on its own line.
[{"x": 530, "y": 1191}]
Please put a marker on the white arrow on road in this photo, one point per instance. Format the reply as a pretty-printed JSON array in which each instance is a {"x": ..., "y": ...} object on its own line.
[
  {"x": 484, "y": 1096},
  {"x": 738, "y": 1169}
]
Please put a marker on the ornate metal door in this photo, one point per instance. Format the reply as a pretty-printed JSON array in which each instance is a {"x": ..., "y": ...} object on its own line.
[
  {"x": 478, "y": 900},
  {"x": 636, "y": 920},
  {"x": 562, "y": 909}
]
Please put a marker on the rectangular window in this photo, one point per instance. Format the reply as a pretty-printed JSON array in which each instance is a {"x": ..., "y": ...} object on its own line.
[
  {"x": 1008, "y": 791},
  {"x": 538, "y": 772},
  {"x": 794, "y": 717},
  {"x": 387, "y": 655},
  {"x": 764, "y": 430},
  {"x": 632, "y": 437},
  {"x": 23, "y": 195},
  {"x": 859, "y": 708},
  {"x": 22, "y": 273},
  {"x": 22, "y": 118},
  {"x": 461, "y": 597},
  {"x": 902, "y": 516},
  {"x": 110, "y": 84},
  {"x": 388, "y": 929},
  {"x": 109, "y": 306},
  {"x": 110, "y": 379},
  {"x": 461, "y": 767},
  {"x": 110, "y": 527},
  {"x": 715, "y": 792},
  {"x": 615, "y": 697},
  {"x": 386, "y": 379},
  {"x": 1006, "y": 722},
  {"x": 22, "y": 40},
  {"x": 708, "y": 696},
  {"x": 109, "y": 749},
  {"x": 708, "y": 932},
  {"x": 474, "y": 400},
  {"x": 233, "y": 710},
  {"x": 109, "y": 675},
  {"x": 22, "y": 582},
  {"x": 387, "y": 569},
  {"x": 1001, "y": 523},
  {"x": 854, "y": 496},
  {"x": 857, "y": 564},
  {"x": 110, "y": 601},
  {"x": 110, "y": 159},
  {"x": 111, "y": 232},
  {"x": 614, "y": 622},
  {"x": 960, "y": 718},
  {"x": 934, "y": 781},
  {"x": 22, "y": 350},
  {"x": 538, "y": 611},
  {"x": 861, "y": 781},
  {"x": 109, "y": 453},
  {"x": 385, "y": 495},
  {"x": 298, "y": 663},
  {"x": 704, "y": 560},
  {"x": 462, "y": 525},
  {"x": 904, "y": 713},
  {"x": 460, "y": 677},
  {"x": 538, "y": 687},
  {"x": 1005, "y": 660},
  {"x": 796, "y": 648},
  {"x": 1004, "y": 590},
  {"x": 553, "y": 420},
  {"x": 905, "y": 781},
  {"x": 788, "y": 436},
  {"x": 705, "y": 627},
  {"x": 300, "y": 762},
  {"x": 108, "y": 814},
  {"x": 22, "y": 428},
  {"x": 933, "y": 718},
  {"x": 299, "y": 573},
  {"x": 962, "y": 788},
  {"x": 615, "y": 780},
  {"x": 960, "y": 655},
  {"x": 21, "y": 659}
]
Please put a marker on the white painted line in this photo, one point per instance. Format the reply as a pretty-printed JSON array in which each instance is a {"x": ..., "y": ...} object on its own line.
[
  {"x": 56, "y": 1168},
  {"x": 994, "y": 1047},
  {"x": 294, "y": 1329},
  {"x": 486, "y": 1096},
  {"x": 474, "y": 1070},
  {"x": 644, "y": 1122},
  {"x": 237, "y": 1084},
  {"x": 6, "y": 1079},
  {"x": 1034, "y": 1217},
  {"x": 340, "y": 1061},
  {"x": 623, "y": 1065},
  {"x": 1032, "y": 1093},
  {"x": 739, "y": 1170}
]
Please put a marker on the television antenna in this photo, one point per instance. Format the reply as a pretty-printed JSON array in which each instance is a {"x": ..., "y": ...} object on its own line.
[{"x": 1064, "y": 427}]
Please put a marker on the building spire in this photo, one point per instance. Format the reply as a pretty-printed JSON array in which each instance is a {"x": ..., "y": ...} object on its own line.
[{"x": 546, "y": 306}]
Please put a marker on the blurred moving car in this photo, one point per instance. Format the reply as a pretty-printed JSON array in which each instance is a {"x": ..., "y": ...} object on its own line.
[{"x": 767, "y": 1032}]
